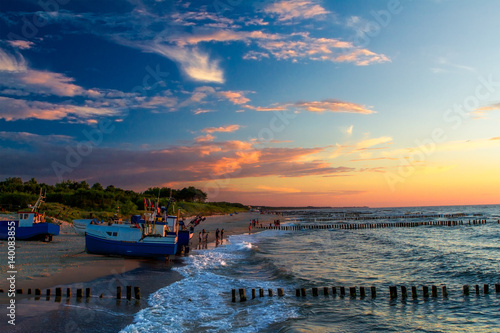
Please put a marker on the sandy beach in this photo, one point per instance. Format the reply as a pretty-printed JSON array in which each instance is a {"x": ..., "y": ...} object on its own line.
[
  {"x": 64, "y": 263},
  {"x": 64, "y": 260}
]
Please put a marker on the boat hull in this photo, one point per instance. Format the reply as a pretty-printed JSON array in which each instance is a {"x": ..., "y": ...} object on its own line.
[
  {"x": 144, "y": 248},
  {"x": 80, "y": 225},
  {"x": 37, "y": 231}
]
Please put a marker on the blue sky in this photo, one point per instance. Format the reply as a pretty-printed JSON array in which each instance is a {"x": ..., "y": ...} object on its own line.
[{"x": 264, "y": 102}]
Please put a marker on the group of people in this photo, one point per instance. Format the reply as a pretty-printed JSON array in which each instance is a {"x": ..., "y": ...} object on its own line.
[{"x": 203, "y": 235}]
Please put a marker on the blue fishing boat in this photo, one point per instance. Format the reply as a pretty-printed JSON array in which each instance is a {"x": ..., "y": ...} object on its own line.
[
  {"x": 30, "y": 225},
  {"x": 155, "y": 236}
]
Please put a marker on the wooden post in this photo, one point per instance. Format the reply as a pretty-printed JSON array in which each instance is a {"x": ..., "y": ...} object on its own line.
[
  {"x": 315, "y": 291},
  {"x": 445, "y": 292},
  {"x": 497, "y": 288},
  {"x": 352, "y": 291},
  {"x": 297, "y": 292},
  {"x": 38, "y": 292},
  {"x": 373, "y": 291},
  {"x": 270, "y": 292},
  {"x": 334, "y": 291},
  {"x": 393, "y": 291},
  {"x": 137, "y": 292},
  {"x": 261, "y": 292},
  {"x": 303, "y": 292},
  {"x": 466, "y": 289},
  {"x": 19, "y": 291},
  {"x": 68, "y": 292},
  {"x": 434, "y": 291},
  {"x": 477, "y": 289},
  {"x": 119, "y": 292},
  {"x": 362, "y": 292},
  {"x": 29, "y": 291},
  {"x": 414, "y": 291},
  {"x": 48, "y": 292},
  {"x": 58, "y": 292},
  {"x": 79, "y": 293},
  {"x": 233, "y": 295},
  {"x": 129, "y": 292},
  {"x": 486, "y": 289},
  {"x": 404, "y": 292},
  {"x": 342, "y": 291},
  {"x": 87, "y": 292},
  {"x": 253, "y": 293},
  {"x": 326, "y": 291},
  {"x": 425, "y": 291},
  {"x": 243, "y": 296},
  {"x": 280, "y": 292}
]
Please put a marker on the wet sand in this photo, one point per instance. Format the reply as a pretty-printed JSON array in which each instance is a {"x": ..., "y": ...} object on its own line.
[{"x": 64, "y": 263}]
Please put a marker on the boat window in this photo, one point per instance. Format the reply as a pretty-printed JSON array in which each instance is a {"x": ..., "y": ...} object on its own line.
[
  {"x": 115, "y": 234},
  {"x": 109, "y": 233}
]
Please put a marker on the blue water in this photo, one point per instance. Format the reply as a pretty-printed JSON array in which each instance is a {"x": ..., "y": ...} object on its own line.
[{"x": 424, "y": 255}]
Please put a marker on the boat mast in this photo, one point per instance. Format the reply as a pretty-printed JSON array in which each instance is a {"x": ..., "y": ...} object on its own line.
[{"x": 38, "y": 202}]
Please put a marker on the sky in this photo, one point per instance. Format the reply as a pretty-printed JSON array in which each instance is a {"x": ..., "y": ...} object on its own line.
[{"x": 280, "y": 103}]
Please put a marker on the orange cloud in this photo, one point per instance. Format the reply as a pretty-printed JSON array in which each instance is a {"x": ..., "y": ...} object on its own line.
[
  {"x": 236, "y": 97},
  {"x": 15, "y": 109},
  {"x": 205, "y": 138},
  {"x": 224, "y": 129},
  {"x": 288, "y": 10},
  {"x": 333, "y": 105}
]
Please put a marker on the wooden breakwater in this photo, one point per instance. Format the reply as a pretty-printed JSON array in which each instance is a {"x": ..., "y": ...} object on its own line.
[
  {"x": 354, "y": 226},
  {"x": 392, "y": 217},
  {"x": 366, "y": 292},
  {"x": 58, "y": 292}
]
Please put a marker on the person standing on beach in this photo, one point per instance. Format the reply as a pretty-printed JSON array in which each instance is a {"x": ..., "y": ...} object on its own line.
[
  {"x": 199, "y": 237},
  {"x": 250, "y": 227},
  {"x": 217, "y": 235},
  {"x": 222, "y": 234}
]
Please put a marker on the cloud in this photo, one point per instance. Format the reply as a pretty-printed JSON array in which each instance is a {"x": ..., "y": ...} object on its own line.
[
  {"x": 265, "y": 109},
  {"x": 21, "y": 44},
  {"x": 295, "y": 9},
  {"x": 223, "y": 129},
  {"x": 195, "y": 64},
  {"x": 327, "y": 105},
  {"x": 10, "y": 63},
  {"x": 236, "y": 97},
  {"x": 349, "y": 129},
  {"x": 278, "y": 189},
  {"x": 201, "y": 111},
  {"x": 32, "y": 138},
  {"x": 201, "y": 161},
  {"x": 332, "y": 105},
  {"x": 373, "y": 142},
  {"x": 204, "y": 138},
  {"x": 15, "y": 109}
]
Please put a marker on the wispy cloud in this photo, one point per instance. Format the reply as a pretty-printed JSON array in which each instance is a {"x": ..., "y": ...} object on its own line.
[
  {"x": 195, "y": 64},
  {"x": 327, "y": 105},
  {"x": 21, "y": 44},
  {"x": 278, "y": 189},
  {"x": 15, "y": 109},
  {"x": 332, "y": 105},
  {"x": 373, "y": 142},
  {"x": 296, "y": 9},
  {"x": 223, "y": 129}
]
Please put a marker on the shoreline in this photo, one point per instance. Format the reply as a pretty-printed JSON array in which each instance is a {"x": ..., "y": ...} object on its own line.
[{"x": 64, "y": 262}]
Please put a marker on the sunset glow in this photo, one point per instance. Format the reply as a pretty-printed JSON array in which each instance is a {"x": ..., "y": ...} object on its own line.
[{"x": 282, "y": 103}]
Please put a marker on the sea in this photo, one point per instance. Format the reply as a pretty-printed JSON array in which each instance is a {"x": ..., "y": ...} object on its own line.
[{"x": 425, "y": 255}]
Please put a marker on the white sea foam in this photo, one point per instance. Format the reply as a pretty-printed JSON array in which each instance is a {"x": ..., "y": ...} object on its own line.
[{"x": 202, "y": 300}]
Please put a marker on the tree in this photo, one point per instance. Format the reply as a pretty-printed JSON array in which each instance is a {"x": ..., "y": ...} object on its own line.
[{"x": 97, "y": 187}]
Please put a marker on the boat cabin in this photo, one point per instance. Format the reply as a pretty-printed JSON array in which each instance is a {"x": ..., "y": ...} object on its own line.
[{"x": 27, "y": 219}]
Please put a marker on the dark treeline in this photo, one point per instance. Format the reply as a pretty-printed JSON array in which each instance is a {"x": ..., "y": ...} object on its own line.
[{"x": 14, "y": 193}]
